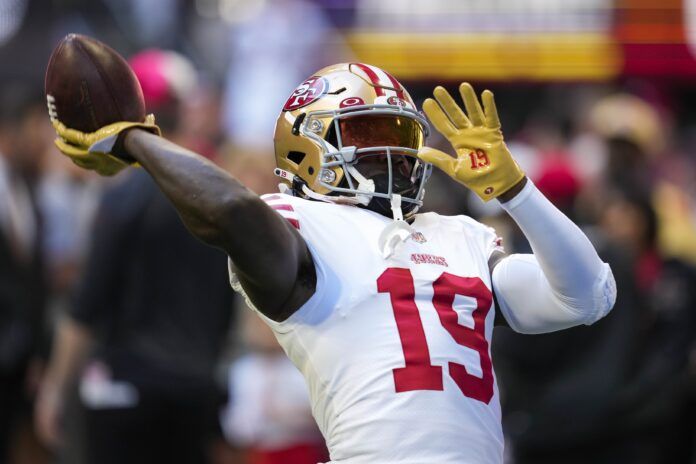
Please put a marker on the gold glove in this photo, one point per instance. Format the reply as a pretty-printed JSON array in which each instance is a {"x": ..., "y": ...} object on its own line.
[
  {"x": 93, "y": 150},
  {"x": 483, "y": 162}
]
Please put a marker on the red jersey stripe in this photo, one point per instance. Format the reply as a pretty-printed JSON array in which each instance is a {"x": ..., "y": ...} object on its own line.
[
  {"x": 282, "y": 207},
  {"x": 294, "y": 222}
]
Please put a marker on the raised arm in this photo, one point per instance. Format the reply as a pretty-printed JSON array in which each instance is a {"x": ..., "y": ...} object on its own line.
[
  {"x": 272, "y": 260},
  {"x": 564, "y": 283}
]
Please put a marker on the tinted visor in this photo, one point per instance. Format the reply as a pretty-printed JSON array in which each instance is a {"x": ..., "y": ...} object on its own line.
[{"x": 380, "y": 130}]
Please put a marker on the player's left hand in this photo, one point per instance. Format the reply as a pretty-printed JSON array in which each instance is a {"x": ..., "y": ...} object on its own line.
[
  {"x": 483, "y": 162},
  {"x": 94, "y": 150}
]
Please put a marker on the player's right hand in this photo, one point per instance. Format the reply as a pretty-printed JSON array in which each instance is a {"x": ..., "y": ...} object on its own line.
[{"x": 95, "y": 150}]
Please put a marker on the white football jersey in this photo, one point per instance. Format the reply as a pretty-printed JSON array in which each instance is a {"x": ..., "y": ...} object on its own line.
[{"x": 396, "y": 352}]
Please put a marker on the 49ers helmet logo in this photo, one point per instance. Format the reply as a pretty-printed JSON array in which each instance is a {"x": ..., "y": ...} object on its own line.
[{"x": 307, "y": 92}]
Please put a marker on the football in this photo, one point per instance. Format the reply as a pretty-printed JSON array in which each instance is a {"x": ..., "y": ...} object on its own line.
[{"x": 89, "y": 85}]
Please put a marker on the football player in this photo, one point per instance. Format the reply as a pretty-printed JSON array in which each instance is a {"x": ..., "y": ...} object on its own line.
[{"x": 387, "y": 313}]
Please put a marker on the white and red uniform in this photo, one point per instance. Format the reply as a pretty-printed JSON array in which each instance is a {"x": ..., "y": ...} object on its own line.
[{"x": 396, "y": 352}]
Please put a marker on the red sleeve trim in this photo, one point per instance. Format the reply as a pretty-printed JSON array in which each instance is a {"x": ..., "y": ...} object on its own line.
[{"x": 285, "y": 207}]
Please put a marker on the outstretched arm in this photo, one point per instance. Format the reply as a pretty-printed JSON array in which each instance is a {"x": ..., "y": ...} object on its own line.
[
  {"x": 272, "y": 260},
  {"x": 564, "y": 283}
]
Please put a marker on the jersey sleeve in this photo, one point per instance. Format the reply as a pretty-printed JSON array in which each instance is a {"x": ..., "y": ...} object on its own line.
[
  {"x": 485, "y": 237},
  {"x": 564, "y": 283},
  {"x": 283, "y": 205},
  {"x": 286, "y": 206}
]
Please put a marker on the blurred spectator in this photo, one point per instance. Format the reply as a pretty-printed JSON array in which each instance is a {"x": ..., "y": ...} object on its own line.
[
  {"x": 187, "y": 110},
  {"x": 624, "y": 382},
  {"x": 168, "y": 79},
  {"x": 22, "y": 286},
  {"x": 559, "y": 183},
  {"x": 547, "y": 379},
  {"x": 655, "y": 408},
  {"x": 677, "y": 213},
  {"x": 269, "y": 413},
  {"x": 68, "y": 198},
  {"x": 633, "y": 137},
  {"x": 148, "y": 323},
  {"x": 151, "y": 315}
]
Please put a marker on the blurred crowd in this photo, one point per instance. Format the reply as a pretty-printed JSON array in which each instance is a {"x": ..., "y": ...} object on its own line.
[{"x": 121, "y": 341}]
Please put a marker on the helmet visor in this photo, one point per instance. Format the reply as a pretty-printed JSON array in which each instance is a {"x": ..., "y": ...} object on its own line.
[{"x": 380, "y": 130}]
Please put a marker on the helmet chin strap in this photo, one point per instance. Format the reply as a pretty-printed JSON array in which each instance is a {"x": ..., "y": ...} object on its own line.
[
  {"x": 396, "y": 232},
  {"x": 340, "y": 199},
  {"x": 364, "y": 185}
]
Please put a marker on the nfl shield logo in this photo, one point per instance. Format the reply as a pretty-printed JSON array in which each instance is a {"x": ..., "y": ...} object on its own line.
[{"x": 418, "y": 237}]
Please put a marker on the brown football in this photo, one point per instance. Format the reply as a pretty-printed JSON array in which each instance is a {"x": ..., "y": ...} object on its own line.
[{"x": 89, "y": 85}]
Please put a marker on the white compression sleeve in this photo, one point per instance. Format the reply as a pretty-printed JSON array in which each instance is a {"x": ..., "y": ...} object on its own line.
[{"x": 563, "y": 284}]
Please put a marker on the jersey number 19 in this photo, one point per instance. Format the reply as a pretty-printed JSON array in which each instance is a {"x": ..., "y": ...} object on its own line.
[{"x": 419, "y": 373}]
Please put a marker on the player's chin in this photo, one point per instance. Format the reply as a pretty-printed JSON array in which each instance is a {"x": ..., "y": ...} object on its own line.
[
  {"x": 402, "y": 186},
  {"x": 382, "y": 206}
]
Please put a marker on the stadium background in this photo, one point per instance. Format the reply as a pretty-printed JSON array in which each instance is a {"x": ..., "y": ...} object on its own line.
[{"x": 596, "y": 98}]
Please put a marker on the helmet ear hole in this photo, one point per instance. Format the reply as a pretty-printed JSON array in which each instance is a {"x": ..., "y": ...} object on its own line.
[
  {"x": 298, "y": 122},
  {"x": 296, "y": 157},
  {"x": 310, "y": 170}
]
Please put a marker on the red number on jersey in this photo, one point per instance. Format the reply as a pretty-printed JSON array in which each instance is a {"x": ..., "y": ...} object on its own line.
[
  {"x": 419, "y": 373},
  {"x": 444, "y": 290}
]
